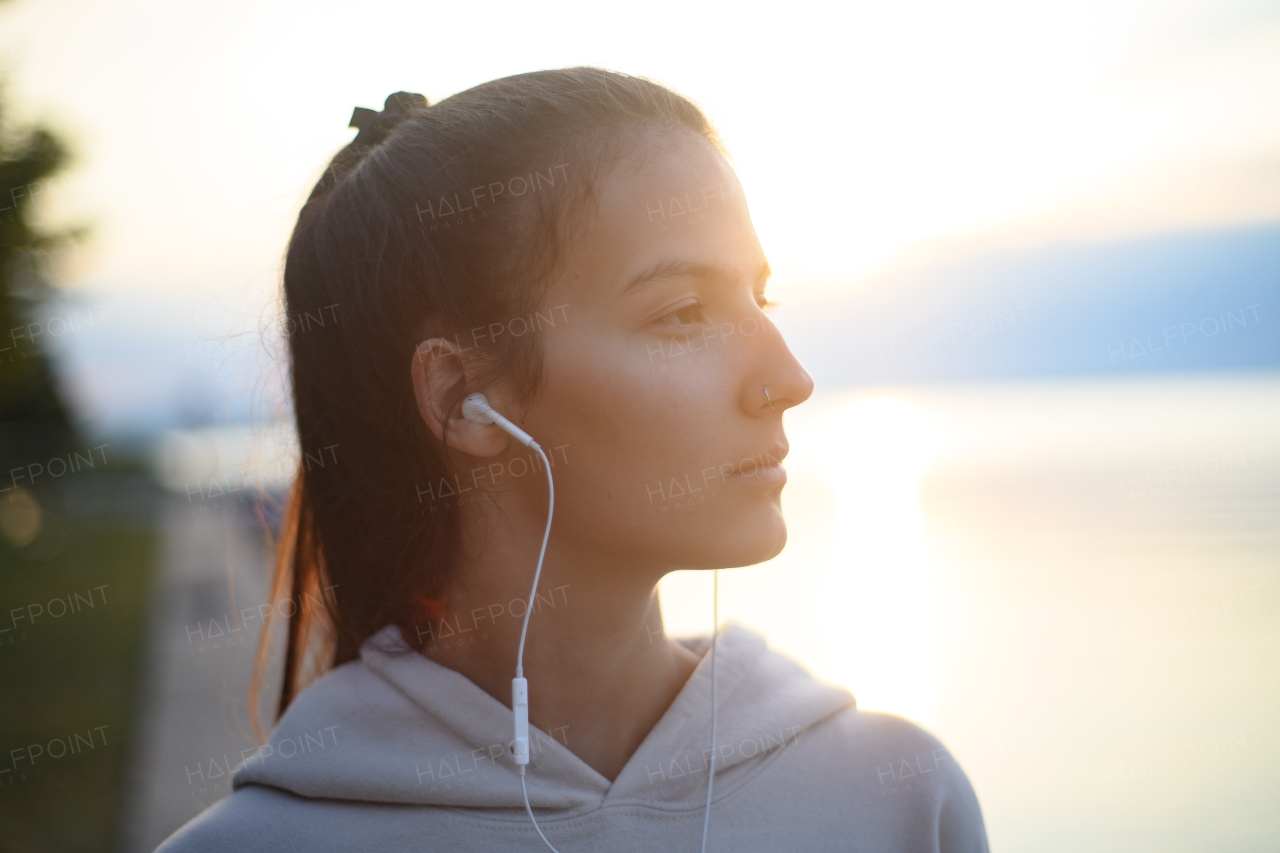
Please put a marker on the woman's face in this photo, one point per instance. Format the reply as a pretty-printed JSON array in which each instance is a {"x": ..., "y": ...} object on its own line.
[{"x": 654, "y": 411}]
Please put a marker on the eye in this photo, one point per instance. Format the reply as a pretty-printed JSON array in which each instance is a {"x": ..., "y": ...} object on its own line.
[{"x": 685, "y": 316}]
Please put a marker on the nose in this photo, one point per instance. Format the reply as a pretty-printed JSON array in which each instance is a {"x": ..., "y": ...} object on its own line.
[{"x": 778, "y": 381}]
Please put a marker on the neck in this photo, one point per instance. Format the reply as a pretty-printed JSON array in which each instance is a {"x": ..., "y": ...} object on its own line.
[{"x": 601, "y": 669}]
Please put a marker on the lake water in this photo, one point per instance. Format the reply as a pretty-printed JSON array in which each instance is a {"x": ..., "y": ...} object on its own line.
[{"x": 1073, "y": 583}]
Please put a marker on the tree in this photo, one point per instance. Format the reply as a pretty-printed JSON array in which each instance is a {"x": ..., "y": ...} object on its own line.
[{"x": 34, "y": 421}]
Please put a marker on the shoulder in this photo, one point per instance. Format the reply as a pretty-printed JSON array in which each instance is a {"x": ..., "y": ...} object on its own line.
[
  {"x": 877, "y": 732},
  {"x": 251, "y": 817},
  {"x": 910, "y": 775},
  {"x": 257, "y": 817}
]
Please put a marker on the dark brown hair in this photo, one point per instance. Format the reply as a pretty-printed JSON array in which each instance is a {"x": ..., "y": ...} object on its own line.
[{"x": 384, "y": 245}]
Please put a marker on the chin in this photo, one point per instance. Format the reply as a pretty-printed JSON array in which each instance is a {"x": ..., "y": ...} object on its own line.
[
  {"x": 767, "y": 545},
  {"x": 750, "y": 539}
]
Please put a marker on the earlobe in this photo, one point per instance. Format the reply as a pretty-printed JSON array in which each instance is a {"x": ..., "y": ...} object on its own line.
[{"x": 439, "y": 378}]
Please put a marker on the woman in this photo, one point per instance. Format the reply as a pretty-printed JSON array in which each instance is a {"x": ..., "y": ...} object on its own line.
[{"x": 573, "y": 245}]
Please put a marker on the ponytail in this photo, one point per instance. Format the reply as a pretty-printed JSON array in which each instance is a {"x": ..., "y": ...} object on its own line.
[{"x": 310, "y": 625}]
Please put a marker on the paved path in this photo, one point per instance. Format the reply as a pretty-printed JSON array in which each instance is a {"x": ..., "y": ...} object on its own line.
[{"x": 202, "y": 637}]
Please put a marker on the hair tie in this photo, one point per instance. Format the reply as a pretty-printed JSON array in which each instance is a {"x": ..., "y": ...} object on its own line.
[{"x": 375, "y": 125}]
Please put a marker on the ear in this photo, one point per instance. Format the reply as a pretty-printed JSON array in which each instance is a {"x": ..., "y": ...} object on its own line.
[{"x": 439, "y": 376}]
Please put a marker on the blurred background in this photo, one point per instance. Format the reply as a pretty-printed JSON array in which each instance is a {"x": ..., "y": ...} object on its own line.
[{"x": 1030, "y": 253}]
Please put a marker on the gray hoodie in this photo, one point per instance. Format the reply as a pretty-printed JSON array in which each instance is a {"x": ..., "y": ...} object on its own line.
[{"x": 395, "y": 752}]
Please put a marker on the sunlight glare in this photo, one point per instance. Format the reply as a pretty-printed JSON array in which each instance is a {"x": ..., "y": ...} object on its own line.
[{"x": 878, "y": 602}]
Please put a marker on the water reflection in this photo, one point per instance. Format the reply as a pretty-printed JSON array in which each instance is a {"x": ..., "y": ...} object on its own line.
[{"x": 1072, "y": 583}]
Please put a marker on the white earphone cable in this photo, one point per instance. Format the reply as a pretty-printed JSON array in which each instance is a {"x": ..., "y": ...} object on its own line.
[
  {"x": 551, "y": 505},
  {"x": 551, "y": 508},
  {"x": 524, "y": 630},
  {"x": 715, "y": 630},
  {"x": 529, "y": 809}
]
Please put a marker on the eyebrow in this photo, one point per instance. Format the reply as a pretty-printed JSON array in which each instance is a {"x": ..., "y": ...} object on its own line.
[{"x": 675, "y": 269}]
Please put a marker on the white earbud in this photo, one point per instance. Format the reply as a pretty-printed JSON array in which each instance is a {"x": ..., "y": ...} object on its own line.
[{"x": 476, "y": 408}]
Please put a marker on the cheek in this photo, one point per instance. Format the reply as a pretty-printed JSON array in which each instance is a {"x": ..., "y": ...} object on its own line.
[
  {"x": 633, "y": 420},
  {"x": 644, "y": 451}
]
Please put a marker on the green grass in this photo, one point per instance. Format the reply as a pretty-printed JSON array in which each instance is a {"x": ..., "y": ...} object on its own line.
[{"x": 70, "y": 674}]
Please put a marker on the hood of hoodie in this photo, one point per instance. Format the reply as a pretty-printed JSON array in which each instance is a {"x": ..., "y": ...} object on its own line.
[{"x": 395, "y": 727}]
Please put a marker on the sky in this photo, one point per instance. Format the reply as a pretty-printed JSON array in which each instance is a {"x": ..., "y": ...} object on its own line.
[{"x": 868, "y": 136}]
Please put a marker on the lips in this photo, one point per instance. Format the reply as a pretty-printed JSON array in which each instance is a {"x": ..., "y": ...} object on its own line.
[
  {"x": 771, "y": 477},
  {"x": 763, "y": 469}
]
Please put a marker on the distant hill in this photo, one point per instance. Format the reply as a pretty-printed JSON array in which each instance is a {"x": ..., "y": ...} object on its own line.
[
  {"x": 1180, "y": 302},
  {"x": 140, "y": 363}
]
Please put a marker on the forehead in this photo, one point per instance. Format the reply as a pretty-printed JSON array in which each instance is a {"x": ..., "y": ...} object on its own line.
[{"x": 674, "y": 198}]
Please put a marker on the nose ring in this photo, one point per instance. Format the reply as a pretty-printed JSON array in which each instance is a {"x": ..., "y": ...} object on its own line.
[{"x": 767, "y": 397}]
